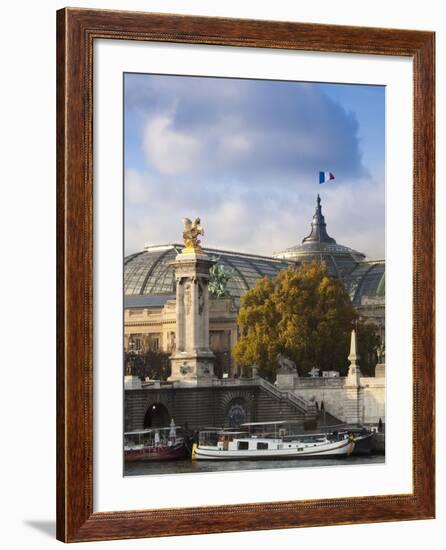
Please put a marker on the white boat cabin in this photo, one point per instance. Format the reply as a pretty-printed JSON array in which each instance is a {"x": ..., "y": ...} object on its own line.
[{"x": 244, "y": 441}]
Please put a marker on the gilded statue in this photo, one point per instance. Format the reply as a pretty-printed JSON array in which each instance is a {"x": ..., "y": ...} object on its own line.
[{"x": 192, "y": 230}]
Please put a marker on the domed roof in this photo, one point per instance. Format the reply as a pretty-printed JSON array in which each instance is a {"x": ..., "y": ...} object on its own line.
[
  {"x": 150, "y": 272},
  {"x": 318, "y": 245}
]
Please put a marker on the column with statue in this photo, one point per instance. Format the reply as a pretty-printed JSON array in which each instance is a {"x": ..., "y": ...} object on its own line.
[{"x": 192, "y": 361}]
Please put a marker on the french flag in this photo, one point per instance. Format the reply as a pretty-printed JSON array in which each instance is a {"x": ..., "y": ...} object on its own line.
[{"x": 325, "y": 176}]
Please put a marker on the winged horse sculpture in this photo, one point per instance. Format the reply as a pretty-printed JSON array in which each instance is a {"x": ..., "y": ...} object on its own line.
[{"x": 191, "y": 232}]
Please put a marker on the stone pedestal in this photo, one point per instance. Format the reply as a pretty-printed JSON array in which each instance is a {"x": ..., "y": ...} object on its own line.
[
  {"x": 192, "y": 361},
  {"x": 132, "y": 382},
  {"x": 380, "y": 370},
  {"x": 286, "y": 380}
]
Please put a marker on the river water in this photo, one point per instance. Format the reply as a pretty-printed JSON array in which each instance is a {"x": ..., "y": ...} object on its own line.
[{"x": 187, "y": 466}]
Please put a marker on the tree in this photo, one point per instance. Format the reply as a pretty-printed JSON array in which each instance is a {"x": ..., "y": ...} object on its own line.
[
  {"x": 302, "y": 313},
  {"x": 150, "y": 363},
  {"x": 368, "y": 344}
]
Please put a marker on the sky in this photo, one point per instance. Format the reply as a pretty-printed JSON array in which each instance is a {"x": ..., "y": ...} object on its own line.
[{"x": 245, "y": 156}]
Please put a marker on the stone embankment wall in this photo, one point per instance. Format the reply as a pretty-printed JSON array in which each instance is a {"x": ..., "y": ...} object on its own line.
[
  {"x": 200, "y": 407},
  {"x": 364, "y": 403}
]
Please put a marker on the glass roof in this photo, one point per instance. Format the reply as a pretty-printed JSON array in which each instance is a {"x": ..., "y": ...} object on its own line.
[
  {"x": 151, "y": 272},
  {"x": 367, "y": 281},
  {"x": 340, "y": 260}
]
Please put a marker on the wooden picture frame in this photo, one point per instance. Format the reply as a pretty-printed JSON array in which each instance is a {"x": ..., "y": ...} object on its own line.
[{"x": 76, "y": 31}]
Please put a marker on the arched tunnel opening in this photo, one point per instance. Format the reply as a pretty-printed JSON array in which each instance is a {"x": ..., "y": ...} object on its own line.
[{"x": 157, "y": 416}]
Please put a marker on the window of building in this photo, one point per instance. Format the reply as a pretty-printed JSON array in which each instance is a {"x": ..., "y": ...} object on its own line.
[{"x": 137, "y": 344}]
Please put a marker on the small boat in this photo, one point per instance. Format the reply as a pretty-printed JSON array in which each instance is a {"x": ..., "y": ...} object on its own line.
[
  {"x": 154, "y": 444},
  {"x": 238, "y": 445}
]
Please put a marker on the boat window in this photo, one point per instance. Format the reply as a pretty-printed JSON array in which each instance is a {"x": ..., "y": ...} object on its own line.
[
  {"x": 209, "y": 438},
  {"x": 261, "y": 446},
  {"x": 242, "y": 445}
]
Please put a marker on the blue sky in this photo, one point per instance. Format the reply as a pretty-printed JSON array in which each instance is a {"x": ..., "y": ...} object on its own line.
[{"x": 245, "y": 155}]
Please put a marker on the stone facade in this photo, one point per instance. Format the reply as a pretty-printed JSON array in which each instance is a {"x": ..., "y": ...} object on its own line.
[
  {"x": 155, "y": 328},
  {"x": 354, "y": 398},
  {"x": 339, "y": 400},
  {"x": 374, "y": 395}
]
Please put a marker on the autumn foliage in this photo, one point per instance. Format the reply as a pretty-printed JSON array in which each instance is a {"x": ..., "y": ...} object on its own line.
[{"x": 302, "y": 313}]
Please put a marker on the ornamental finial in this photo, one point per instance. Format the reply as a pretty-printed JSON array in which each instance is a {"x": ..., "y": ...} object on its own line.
[{"x": 318, "y": 227}]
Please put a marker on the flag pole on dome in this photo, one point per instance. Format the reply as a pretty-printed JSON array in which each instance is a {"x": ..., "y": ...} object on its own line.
[{"x": 325, "y": 176}]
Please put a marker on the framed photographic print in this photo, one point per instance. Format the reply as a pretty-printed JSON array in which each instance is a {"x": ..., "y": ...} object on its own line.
[{"x": 245, "y": 275}]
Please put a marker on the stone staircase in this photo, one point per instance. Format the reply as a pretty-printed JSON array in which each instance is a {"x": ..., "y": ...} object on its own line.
[
  {"x": 327, "y": 420},
  {"x": 306, "y": 407}
]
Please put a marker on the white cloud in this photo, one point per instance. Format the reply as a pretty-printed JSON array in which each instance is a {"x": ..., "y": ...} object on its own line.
[
  {"x": 238, "y": 145},
  {"x": 245, "y": 156},
  {"x": 259, "y": 220},
  {"x": 137, "y": 188},
  {"x": 170, "y": 151},
  {"x": 249, "y": 129}
]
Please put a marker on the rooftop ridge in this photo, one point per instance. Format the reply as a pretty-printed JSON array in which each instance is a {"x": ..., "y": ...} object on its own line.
[{"x": 167, "y": 246}]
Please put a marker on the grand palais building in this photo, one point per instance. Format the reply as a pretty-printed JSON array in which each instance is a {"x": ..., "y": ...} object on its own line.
[{"x": 149, "y": 288}]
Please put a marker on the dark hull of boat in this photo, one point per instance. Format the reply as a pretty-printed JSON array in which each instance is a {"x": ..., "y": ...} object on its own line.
[
  {"x": 379, "y": 443},
  {"x": 155, "y": 454},
  {"x": 363, "y": 444}
]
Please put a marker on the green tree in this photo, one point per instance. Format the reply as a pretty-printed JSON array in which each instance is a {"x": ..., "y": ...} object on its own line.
[
  {"x": 368, "y": 344},
  {"x": 150, "y": 363},
  {"x": 302, "y": 313}
]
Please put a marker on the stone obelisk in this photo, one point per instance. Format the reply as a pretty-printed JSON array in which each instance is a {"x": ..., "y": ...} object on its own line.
[
  {"x": 353, "y": 405},
  {"x": 192, "y": 362}
]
